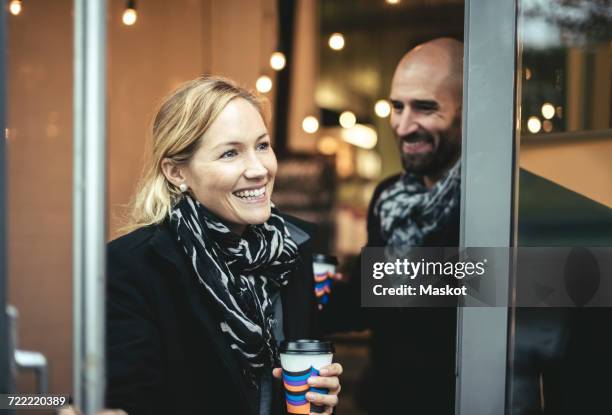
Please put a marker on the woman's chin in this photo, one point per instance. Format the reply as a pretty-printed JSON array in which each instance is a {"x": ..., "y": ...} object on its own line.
[{"x": 256, "y": 217}]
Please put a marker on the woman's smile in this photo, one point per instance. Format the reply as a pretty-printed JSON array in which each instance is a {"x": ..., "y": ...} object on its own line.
[{"x": 255, "y": 195}]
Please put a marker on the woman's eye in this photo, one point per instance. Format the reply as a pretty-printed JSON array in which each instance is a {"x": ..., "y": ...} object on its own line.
[
  {"x": 263, "y": 146},
  {"x": 229, "y": 154}
]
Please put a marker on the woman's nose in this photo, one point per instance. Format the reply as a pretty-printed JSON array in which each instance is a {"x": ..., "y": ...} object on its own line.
[{"x": 255, "y": 169}]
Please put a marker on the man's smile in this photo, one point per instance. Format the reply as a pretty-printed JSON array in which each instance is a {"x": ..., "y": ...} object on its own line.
[{"x": 416, "y": 144}]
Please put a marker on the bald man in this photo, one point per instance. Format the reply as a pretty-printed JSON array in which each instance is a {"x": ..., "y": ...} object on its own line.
[
  {"x": 426, "y": 100},
  {"x": 412, "y": 353},
  {"x": 420, "y": 207}
]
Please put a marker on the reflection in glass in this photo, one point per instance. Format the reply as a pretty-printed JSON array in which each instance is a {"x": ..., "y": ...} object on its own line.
[
  {"x": 560, "y": 358},
  {"x": 567, "y": 62}
]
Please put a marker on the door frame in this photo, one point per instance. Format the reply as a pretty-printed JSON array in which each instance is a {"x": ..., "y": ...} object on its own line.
[
  {"x": 6, "y": 373},
  {"x": 488, "y": 199}
]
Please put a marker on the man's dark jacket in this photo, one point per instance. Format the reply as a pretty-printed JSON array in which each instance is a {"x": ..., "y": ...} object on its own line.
[
  {"x": 165, "y": 351},
  {"x": 412, "y": 350}
]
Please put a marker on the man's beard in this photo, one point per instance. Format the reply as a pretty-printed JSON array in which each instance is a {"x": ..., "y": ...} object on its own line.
[{"x": 432, "y": 162}]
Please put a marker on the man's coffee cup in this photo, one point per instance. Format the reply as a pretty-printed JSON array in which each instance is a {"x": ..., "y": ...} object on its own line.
[
  {"x": 324, "y": 268},
  {"x": 300, "y": 360}
]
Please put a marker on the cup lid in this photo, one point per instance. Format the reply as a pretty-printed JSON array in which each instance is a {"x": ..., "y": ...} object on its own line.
[
  {"x": 306, "y": 346},
  {"x": 328, "y": 259}
]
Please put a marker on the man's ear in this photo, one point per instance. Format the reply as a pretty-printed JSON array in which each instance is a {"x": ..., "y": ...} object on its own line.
[{"x": 173, "y": 172}]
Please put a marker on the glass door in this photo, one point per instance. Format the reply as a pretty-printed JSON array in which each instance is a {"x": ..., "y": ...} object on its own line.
[
  {"x": 537, "y": 151},
  {"x": 559, "y": 356}
]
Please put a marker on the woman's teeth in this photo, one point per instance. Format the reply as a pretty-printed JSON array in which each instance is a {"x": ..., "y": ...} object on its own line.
[{"x": 250, "y": 194}]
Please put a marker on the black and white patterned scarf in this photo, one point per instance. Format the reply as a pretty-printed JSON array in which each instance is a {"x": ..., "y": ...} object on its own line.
[
  {"x": 239, "y": 273},
  {"x": 409, "y": 212}
]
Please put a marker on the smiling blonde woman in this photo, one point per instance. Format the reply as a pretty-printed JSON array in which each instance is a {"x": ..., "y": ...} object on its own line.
[{"x": 211, "y": 277}]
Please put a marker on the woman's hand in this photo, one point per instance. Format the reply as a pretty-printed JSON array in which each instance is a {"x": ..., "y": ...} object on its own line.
[{"x": 327, "y": 379}]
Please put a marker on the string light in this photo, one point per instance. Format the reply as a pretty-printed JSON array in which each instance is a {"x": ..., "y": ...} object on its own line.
[
  {"x": 548, "y": 110},
  {"x": 336, "y": 41},
  {"x": 263, "y": 84},
  {"x": 15, "y": 7},
  {"x": 278, "y": 61},
  {"x": 310, "y": 124},
  {"x": 129, "y": 15},
  {"x": 347, "y": 119},
  {"x": 534, "y": 124}
]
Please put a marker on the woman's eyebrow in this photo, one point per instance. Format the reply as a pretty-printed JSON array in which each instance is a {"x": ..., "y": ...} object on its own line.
[
  {"x": 228, "y": 143},
  {"x": 238, "y": 143}
]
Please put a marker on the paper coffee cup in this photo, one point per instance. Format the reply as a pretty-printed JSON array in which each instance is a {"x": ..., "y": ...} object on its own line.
[
  {"x": 300, "y": 360},
  {"x": 323, "y": 266}
]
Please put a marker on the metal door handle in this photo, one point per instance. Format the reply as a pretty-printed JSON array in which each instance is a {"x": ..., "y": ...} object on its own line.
[{"x": 26, "y": 359}]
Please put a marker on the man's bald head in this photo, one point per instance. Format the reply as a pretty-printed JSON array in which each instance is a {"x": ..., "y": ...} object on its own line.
[
  {"x": 442, "y": 58},
  {"x": 426, "y": 96}
]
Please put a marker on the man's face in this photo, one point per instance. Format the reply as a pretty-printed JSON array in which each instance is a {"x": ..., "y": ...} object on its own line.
[{"x": 426, "y": 118}]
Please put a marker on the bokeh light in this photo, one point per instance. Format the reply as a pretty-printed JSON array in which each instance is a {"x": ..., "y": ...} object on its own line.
[
  {"x": 263, "y": 84},
  {"x": 347, "y": 119},
  {"x": 382, "y": 108},
  {"x": 310, "y": 124},
  {"x": 548, "y": 110},
  {"x": 327, "y": 145},
  {"x": 534, "y": 124},
  {"x": 336, "y": 41},
  {"x": 278, "y": 61},
  {"x": 129, "y": 17},
  {"x": 15, "y": 7}
]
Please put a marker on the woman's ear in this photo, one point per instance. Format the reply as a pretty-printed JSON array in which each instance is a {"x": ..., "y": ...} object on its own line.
[{"x": 174, "y": 174}]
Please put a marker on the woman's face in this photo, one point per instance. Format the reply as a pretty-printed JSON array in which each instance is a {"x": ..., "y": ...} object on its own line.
[{"x": 232, "y": 172}]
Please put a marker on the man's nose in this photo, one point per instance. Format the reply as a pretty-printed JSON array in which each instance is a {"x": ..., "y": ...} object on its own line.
[
  {"x": 254, "y": 168},
  {"x": 405, "y": 123}
]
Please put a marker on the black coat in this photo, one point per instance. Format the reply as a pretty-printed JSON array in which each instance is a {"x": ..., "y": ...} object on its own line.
[
  {"x": 412, "y": 350},
  {"x": 165, "y": 351}
]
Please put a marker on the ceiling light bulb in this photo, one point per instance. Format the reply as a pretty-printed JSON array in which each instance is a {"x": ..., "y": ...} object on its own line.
[
  {"x": 263, "y": 84},
  {"x": 336, "y": 41},
  {"x": 15, "y": 7},
  {"x": 129, "y": 17},
  {"x": 278, "y": 61}
]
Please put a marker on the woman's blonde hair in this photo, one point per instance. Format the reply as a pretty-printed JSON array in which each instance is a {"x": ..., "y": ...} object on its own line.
[{"x": 183, "y": 118}]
